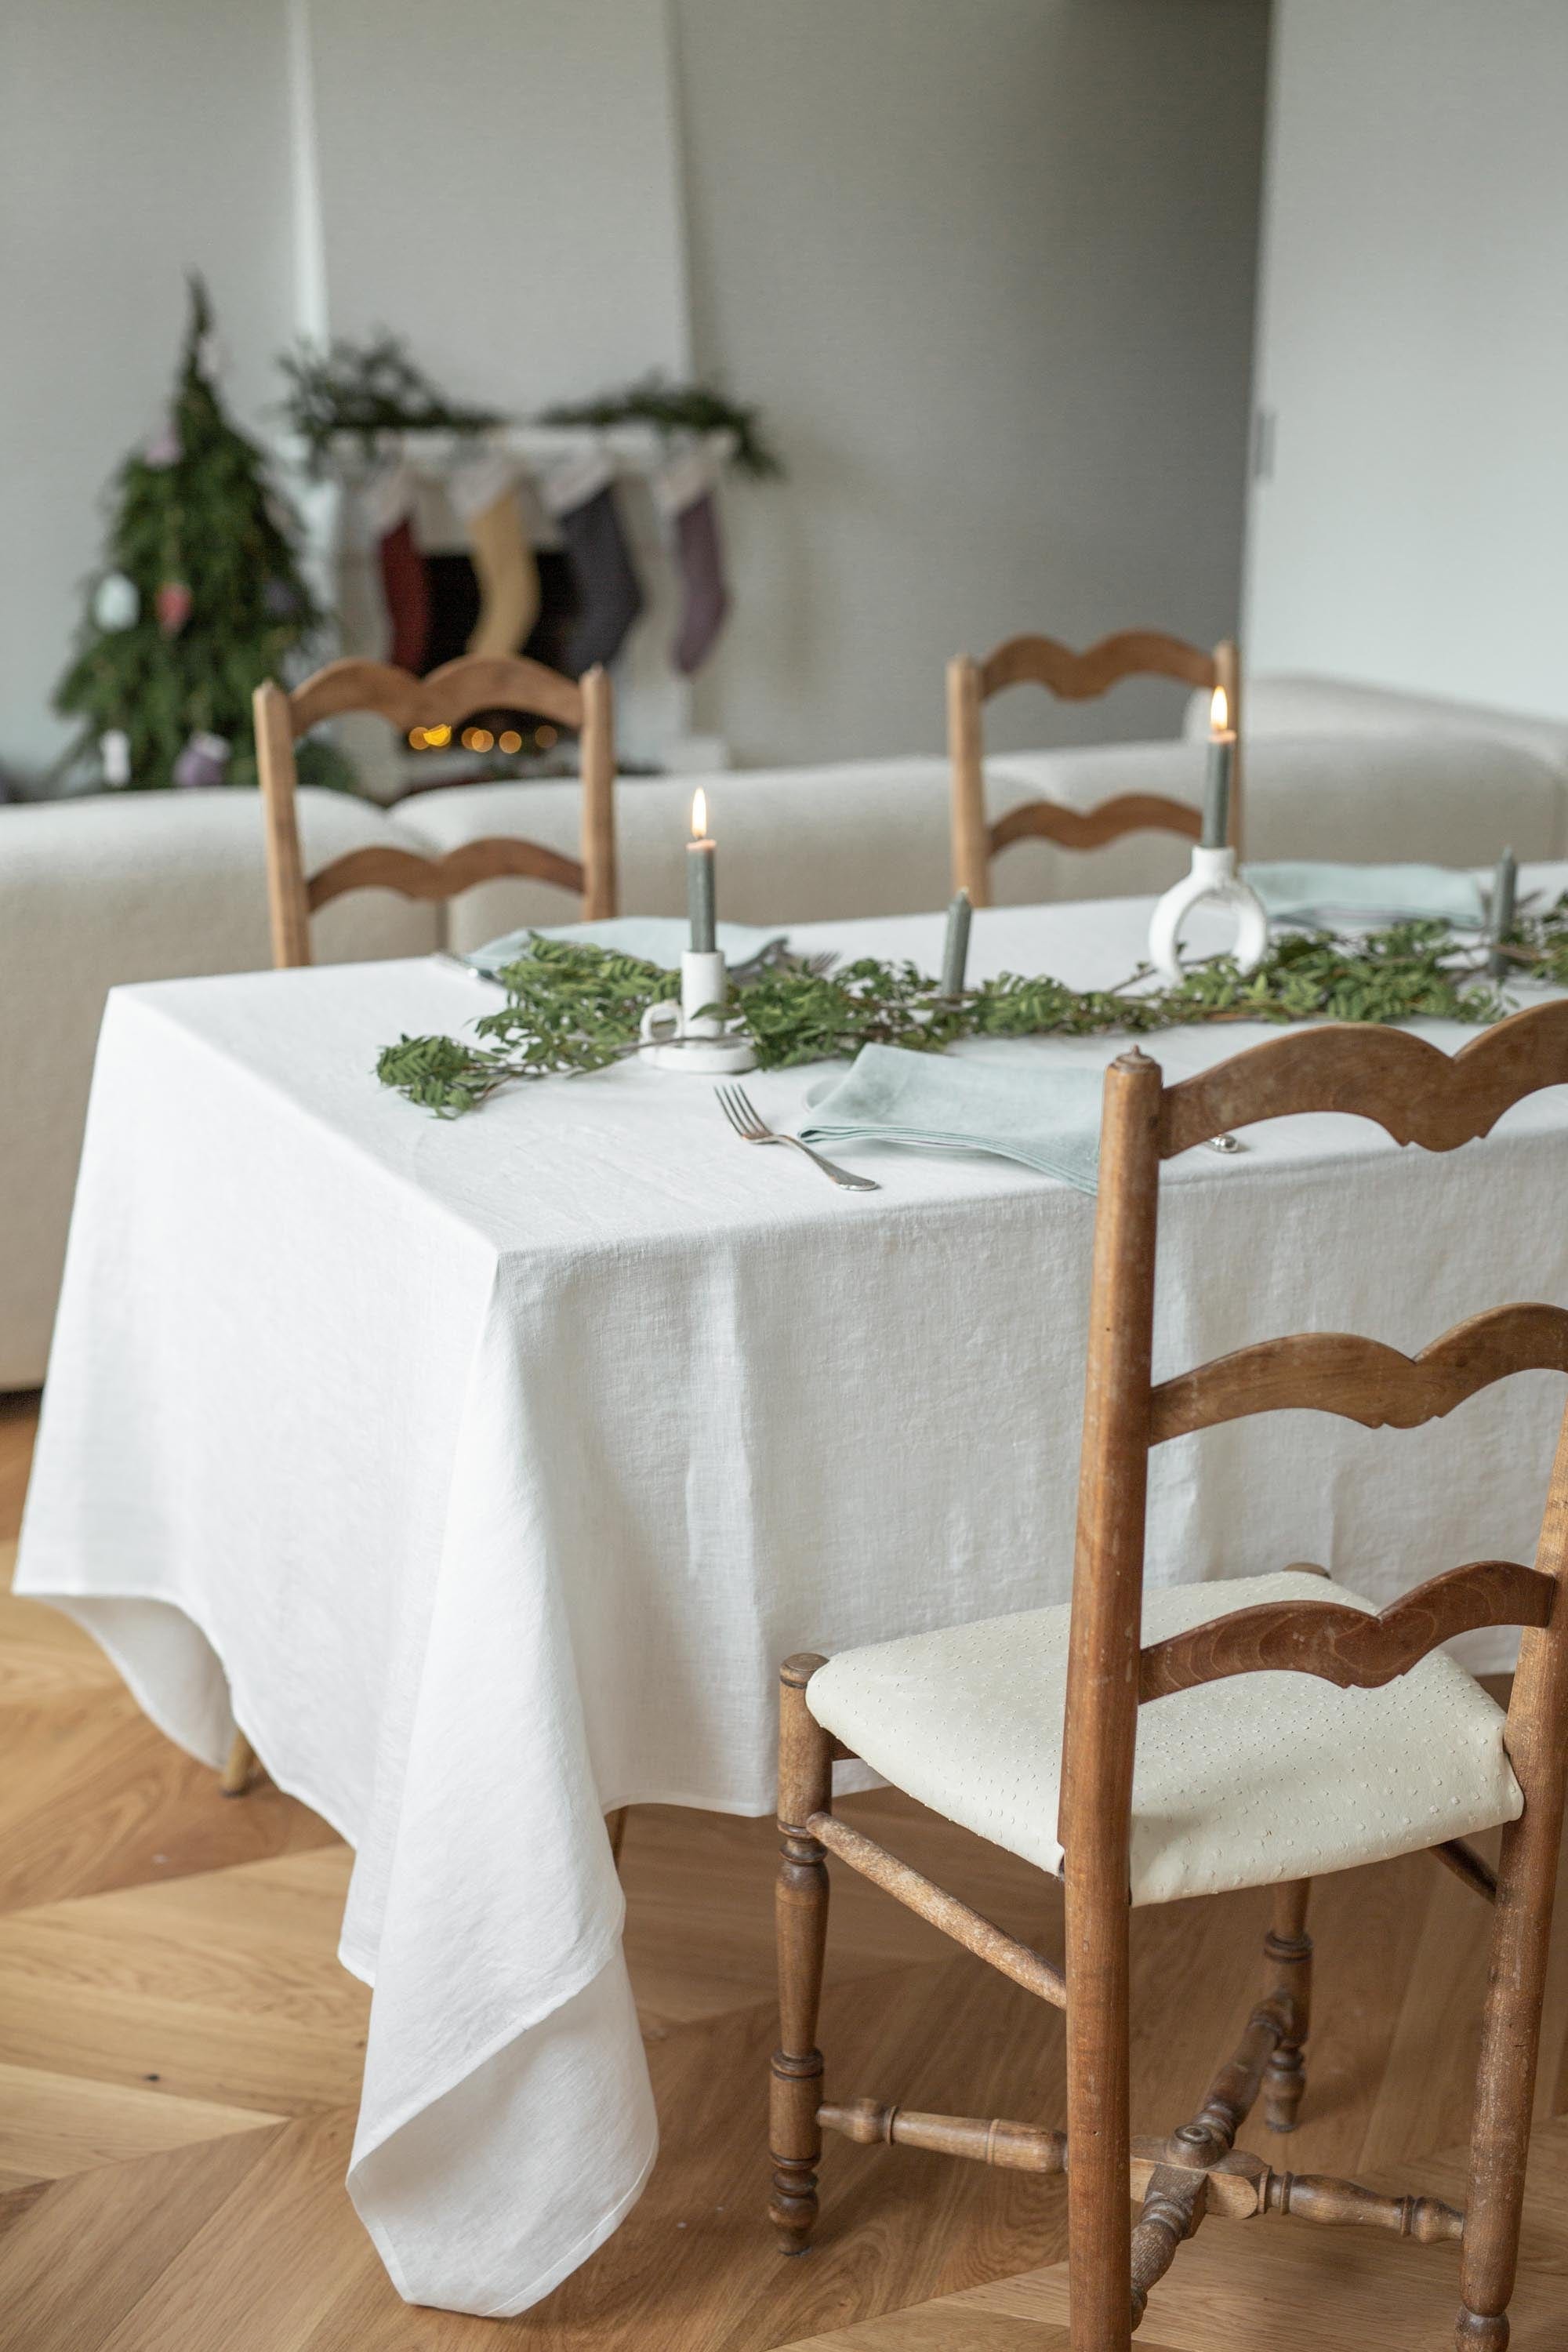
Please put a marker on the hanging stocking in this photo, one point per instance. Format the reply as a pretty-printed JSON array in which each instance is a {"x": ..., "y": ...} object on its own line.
[
  {"x": 389, "y": 502},
  {"x": 683, "y": 492},
  {"x": 484, "y": 492},
  {"x": 580, "y": 495}
]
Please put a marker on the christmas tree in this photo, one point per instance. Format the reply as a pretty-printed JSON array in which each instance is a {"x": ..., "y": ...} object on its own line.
[{"x": 200, "y": 599}]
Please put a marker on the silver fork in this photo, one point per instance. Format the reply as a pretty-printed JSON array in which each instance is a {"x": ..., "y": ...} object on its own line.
[{"x": 739, "y": 1109}]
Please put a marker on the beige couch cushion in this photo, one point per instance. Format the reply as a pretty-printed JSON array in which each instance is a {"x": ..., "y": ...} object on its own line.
[
  {"x": 795, "y": 844},
  {"x": 1298, "y": 704},
  {"x": 1451, "y": 799},
  {"x": 147, "y": 886},
  {"x": 1245, "y": 1782}
]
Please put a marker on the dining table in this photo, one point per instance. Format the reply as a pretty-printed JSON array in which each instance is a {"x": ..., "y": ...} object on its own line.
[{"x": 483, "y": 1470}]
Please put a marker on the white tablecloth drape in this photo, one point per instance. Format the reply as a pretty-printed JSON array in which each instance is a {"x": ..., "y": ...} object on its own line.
[{"x": 484, "y": 1471}]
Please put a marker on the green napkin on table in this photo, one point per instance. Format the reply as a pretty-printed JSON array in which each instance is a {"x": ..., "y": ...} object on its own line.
[
  {"x": 1047, "y": 1117},
  {"x": 653, "y": 939},
  {"x": 1303, "y": 892}
]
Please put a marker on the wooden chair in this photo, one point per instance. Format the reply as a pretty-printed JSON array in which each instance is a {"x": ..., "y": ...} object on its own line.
[
  {"x": 478, "y": 682},
  {"x": 1075, "y": 678},
  {"x": 1226, "y": 1692}
]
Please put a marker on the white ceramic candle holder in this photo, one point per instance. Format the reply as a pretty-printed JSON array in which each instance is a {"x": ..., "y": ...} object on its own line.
[
  {"x": 1214, "y": 876},
  {"x": 683, "y": 1037}
]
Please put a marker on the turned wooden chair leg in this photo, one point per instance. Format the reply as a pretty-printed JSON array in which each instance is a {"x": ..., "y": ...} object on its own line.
[
  {"x": 1505, "y": 2083},
  {"x": 1516, "y": 1980},
  {"x": 1100, "y": 2289},
  {"x": 1288, "y": 1949},
  {"x": 235, "y": 1777},
  {"x": 805, "y": 1786}
]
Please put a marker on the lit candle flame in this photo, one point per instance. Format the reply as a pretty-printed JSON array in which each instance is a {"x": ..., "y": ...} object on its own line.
[
  {"x": 700, "y": 815},
  {"x": 1219, "y": 713}
]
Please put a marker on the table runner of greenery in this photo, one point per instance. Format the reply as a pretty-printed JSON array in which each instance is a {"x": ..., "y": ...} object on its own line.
[{"x": 572, "y": 1008}]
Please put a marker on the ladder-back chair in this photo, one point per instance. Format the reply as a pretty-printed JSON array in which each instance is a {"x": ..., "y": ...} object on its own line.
[
  {"x": 1216, "y": 1736},
  {"x": 476, "y": 682},
  {"x": 1075, "y": 678}
]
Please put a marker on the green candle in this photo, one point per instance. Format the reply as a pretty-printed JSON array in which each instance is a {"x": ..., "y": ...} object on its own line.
[
  {"x": 1216, "y": 784},
  {"x": 1505, "y": 892},
  {"x": 701, "y": 899},
  {"x": 955, "y": 951}
]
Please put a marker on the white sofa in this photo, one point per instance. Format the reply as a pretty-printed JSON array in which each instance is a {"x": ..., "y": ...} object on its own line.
[
  {"x": 1300, "y": 705},
  {"x": 96, "y": 893}
]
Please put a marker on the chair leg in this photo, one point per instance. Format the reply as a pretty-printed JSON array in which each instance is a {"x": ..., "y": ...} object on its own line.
[
  {"x": 1505, "y": 2083},
  {"x": 235, "y": 1777},
  {"x": 1099, "y": 2221},
  {"x": 1288, "y": 1949},
  {"x": 805, "y": 1786}
]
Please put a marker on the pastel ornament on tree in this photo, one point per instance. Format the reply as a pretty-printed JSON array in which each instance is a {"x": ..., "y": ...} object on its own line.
[
  {"x": 162, "y": 449},
  {"x": 582, "y": 497},
  {"x": 203, "y": 763},
  {"x": 117, "y": 602},
  {"x": 684, "y": 493},
  {"x": 114, "y": 750},
  {"x": 484, "y": 492},
  {"x": 172, "y": 605}
]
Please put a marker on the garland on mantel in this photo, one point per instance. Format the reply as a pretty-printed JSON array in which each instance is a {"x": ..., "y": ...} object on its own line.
[
  {"x": 376, "y": 387},
  {"x": 573, "y": 1008}
]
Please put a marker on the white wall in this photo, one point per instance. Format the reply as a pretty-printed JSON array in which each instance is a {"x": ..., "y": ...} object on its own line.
[
  {"x": 499, "y": 184},
  {"x": 986, "y": 267},
  {"x": 140, "y": 141},
  {"x": 1414, "y": 345},
  {"x": 990, "y": 268}
]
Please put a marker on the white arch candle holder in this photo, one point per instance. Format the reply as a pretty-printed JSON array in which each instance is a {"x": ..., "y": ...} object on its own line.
[{"x": 1213, "y": 877}]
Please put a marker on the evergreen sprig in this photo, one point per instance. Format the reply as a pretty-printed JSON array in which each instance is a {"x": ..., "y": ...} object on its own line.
[{"x": 572, "y": 1007}]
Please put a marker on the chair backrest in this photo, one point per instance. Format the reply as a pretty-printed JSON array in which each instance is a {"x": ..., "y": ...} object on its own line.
[
  {"x": 1075, "y": 678},
  {"x": 1419, "y": 1095},
  {"x": 476, "y": 682}
]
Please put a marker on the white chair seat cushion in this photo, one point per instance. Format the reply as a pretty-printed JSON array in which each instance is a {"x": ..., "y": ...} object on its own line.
[{"x": 1244, "y": 1782}]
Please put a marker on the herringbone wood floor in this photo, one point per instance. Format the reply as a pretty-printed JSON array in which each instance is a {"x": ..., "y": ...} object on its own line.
[{"x": 180, "y": 2051}]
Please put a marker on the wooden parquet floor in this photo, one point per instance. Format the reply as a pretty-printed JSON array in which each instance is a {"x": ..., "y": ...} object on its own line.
[{"x": 180, "y": 2055}]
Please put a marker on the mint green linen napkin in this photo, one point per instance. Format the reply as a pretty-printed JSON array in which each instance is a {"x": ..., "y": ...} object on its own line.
[
  {"x": 653, "y": 939},
  {"x": 1047, "y": 1117},
  {"x": 1303, "y": 892}
]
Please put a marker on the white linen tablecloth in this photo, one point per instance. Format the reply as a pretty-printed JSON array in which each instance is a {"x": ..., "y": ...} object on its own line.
[{"x": 484, "y": 1472}]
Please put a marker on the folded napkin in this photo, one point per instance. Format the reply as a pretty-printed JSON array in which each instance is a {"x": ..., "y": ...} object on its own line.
[
  {"x": 1306, "y": 892},
  {"x": 1048, "y": 1118},
  {"x": 653, "y": 939}
]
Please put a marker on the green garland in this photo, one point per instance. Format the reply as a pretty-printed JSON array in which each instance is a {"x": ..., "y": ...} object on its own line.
[
  {"x": 376, "y": 387},
  {"x": 677, "y": 409},
  {"x": 368, "y": 389},
  {"x": 573, "y": 1008}
]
